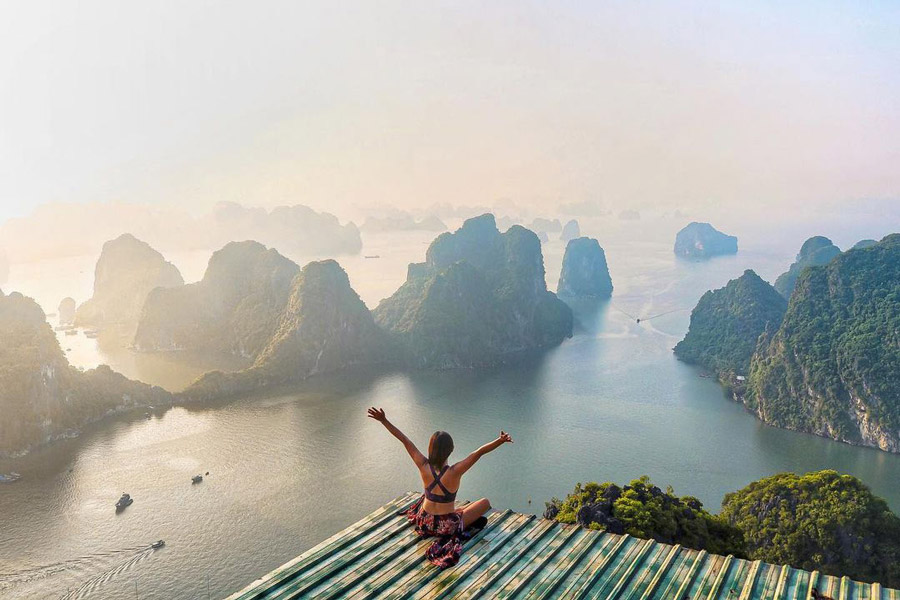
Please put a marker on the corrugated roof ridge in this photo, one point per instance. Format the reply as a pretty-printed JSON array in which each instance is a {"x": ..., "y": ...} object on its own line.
[
  {"x": 561, "y": 570},
  {"x": 522, "y": 556},
  {"x": 348, "y": 558},
  {"x": 565, "y": 536},
  {"x": 661, "y": 572},
  {"x": 340, "y": 539},
  {"x": 781, "y": 587},
  {"x": 598, "y": 565},
  {"x": 499, "y": 569}
]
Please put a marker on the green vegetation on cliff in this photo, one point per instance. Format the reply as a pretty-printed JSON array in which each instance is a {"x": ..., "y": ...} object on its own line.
[
  {"x": 726, "y": 324},
  {"x": 643, "y": 510},
  {"x": 833, "y": 366},
  {"x": 584, "y": 271},
  {"x": 234, "y": 309},
  {"x": 819, "y": 521},
  {"x": 815, "y": 252},
  {"x": 325, "y": 327},
  {"x": 480, "y": 295},
  {"x": 41, "y": 396}
]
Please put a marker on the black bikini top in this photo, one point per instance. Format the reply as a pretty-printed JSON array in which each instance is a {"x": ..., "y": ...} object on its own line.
[{"x": 444, "y": 498}]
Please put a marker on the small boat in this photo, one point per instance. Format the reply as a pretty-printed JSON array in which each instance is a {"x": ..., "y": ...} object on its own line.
[
  {"x": 157, "y": 545},
  {"x": 372, "y": 256},
  {"x": 9, "y": 478},
  {"x": 92, "y": 334},
  {"x": 124, "y": 502},
  {"x": 196, "y": 479}
]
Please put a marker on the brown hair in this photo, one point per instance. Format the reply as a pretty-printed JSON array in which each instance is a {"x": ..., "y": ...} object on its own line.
[{"x": 439, "y": 448}]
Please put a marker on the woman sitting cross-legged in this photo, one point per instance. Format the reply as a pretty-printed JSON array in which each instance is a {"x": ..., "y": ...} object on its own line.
[{"x": 435, "y": 513}]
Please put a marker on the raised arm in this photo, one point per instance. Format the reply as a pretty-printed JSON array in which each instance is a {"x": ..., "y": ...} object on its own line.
[
  {"x": 466, "y": 463},
  {"x": 414, "y": 454}
]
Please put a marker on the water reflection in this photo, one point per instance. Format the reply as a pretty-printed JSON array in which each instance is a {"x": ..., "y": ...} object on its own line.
[{"x": 290, "y": 467}]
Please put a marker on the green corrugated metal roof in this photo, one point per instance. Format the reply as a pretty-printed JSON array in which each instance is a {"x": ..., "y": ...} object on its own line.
[{"x": 523, "y": 556}]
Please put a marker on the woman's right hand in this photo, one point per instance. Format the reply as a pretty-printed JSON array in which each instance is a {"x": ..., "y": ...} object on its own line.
[{"x": 505, "y": 437}]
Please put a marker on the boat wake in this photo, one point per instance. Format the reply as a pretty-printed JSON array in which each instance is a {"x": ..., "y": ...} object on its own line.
[
  {"x": 110, "y": 563},
  {"x": 91, "y": 585}
]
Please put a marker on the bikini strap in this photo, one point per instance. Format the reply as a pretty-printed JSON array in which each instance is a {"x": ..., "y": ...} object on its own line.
[{"x": 437, "y": 479}]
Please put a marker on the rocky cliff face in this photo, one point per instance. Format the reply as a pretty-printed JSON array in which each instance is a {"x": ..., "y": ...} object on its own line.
[
  {"x": 324, "y": 328},
  {"x": 702, "y": 240},
  {"x": 726, "y": 324},
  {"x": 41, "y": 396},
  {"x": 235, "y": 309},
  {"x": 833, "y": 366},
  {"x": 479, "y": 296},
  {"x": 815, "y": 252},
  {"x": 585, "y": 273},
  {"x": 570, "y": 231},
  {"x": 127, "y": 271}
]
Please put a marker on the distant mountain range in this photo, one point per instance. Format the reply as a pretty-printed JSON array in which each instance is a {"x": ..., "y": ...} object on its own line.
[{"x": 479, "y": 299}]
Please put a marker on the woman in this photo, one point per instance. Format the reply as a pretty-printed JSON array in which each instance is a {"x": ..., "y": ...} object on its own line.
[{"x": 435, "y": 513}]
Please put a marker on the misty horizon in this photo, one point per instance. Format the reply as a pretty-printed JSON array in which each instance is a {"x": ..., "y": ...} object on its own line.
[{"x": 737, "y": 108}]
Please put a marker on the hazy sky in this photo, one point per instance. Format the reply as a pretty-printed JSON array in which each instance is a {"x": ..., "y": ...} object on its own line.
[{"x": 336, "y": 104}]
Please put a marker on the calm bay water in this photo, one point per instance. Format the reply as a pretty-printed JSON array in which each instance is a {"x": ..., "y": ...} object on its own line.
[{"x": 289, "y": 468}]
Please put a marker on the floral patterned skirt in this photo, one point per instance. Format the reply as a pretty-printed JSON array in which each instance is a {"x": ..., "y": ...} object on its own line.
[{"x": 446, "y": 550}]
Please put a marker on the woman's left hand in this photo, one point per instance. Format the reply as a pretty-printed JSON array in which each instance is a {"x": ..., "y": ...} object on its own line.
[
  {"x": 505, "y": 437},
  {"x": 377, "y": 414}
]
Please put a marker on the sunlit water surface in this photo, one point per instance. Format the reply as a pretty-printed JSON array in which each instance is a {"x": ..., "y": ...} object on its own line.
[{"x": 289, "y": 468}]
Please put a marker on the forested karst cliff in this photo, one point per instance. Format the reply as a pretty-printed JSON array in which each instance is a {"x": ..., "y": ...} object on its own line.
[
  {"x": 815, "y": 252},
  {"x": 702, "y": 240},
  {"x": 727, "y": 322},
  {"x": 234, "y": 309},
  {"x": 325, "y": 327},
  {"x": 584, "y": 271},
  {"x": 126, "y": 272},
  {"x": 41, "y": 396},
  {"x": 479, "y": 297},
  {"x": 833, "y": 367},
  {"x": 822, "y": 521}
]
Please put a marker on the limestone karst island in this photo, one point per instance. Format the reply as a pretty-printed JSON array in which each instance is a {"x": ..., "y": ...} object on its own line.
[{"x": 311, "y": 300}]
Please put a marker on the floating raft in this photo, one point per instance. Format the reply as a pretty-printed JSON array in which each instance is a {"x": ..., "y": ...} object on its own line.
[{"x": 523, "y": 556}]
